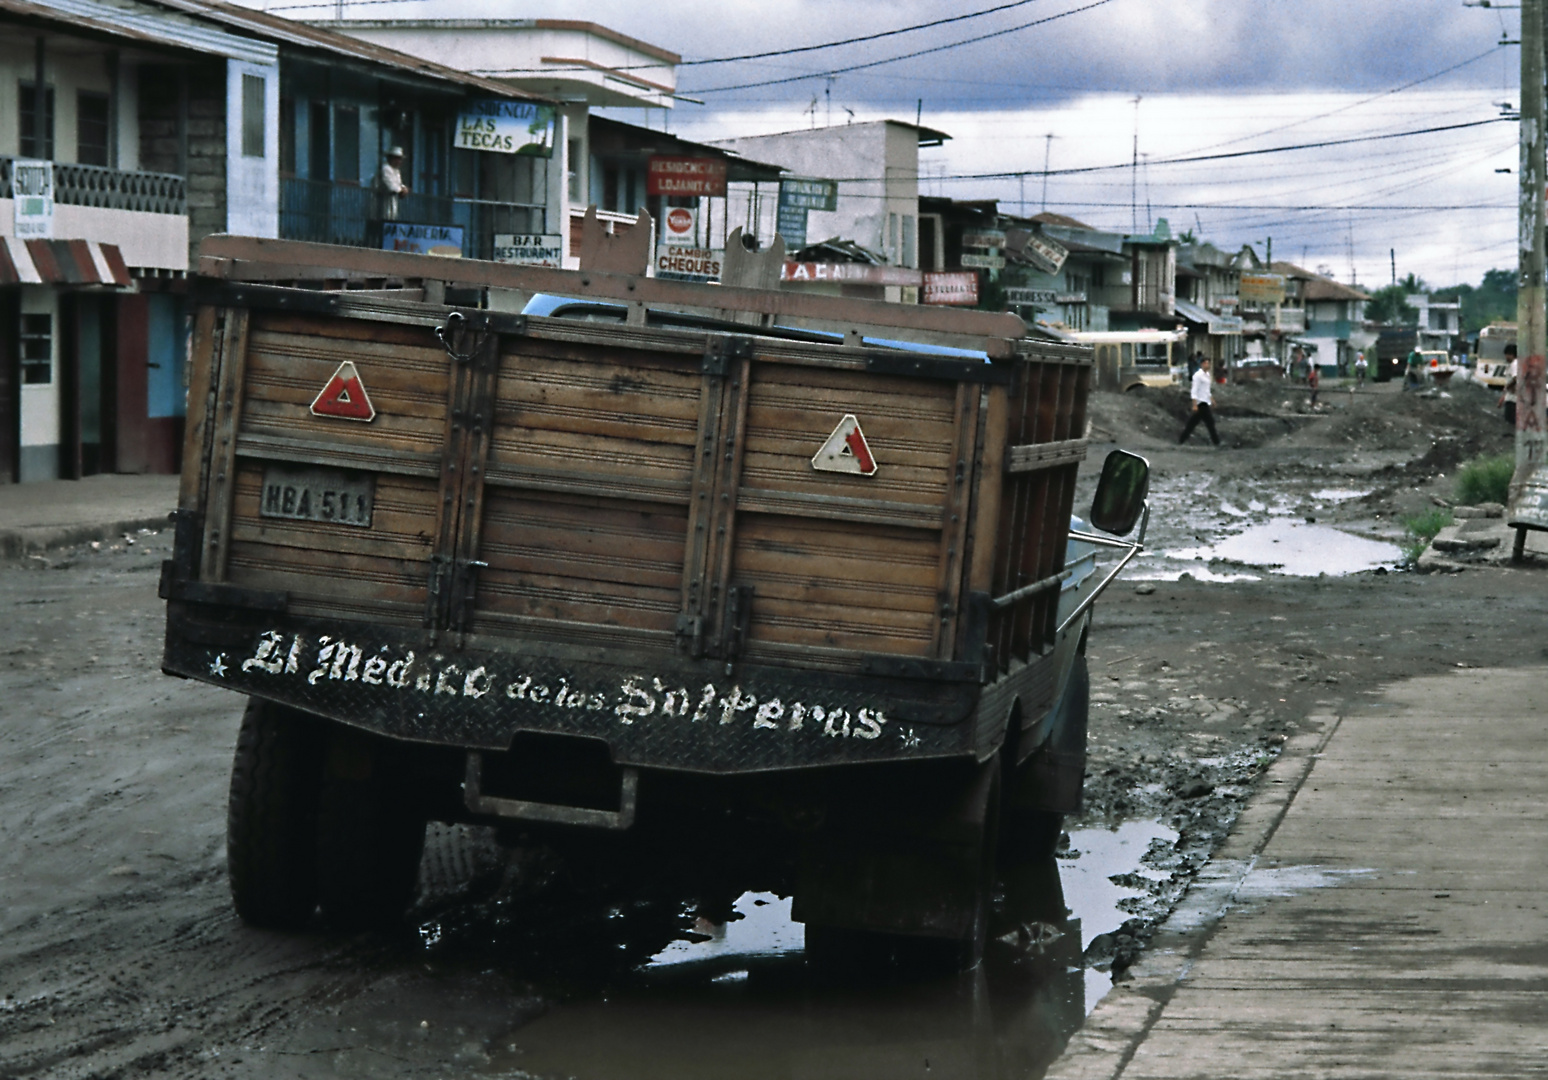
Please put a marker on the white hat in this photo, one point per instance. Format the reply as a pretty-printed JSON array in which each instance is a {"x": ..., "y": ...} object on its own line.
[{"x": 396, "y": 151}]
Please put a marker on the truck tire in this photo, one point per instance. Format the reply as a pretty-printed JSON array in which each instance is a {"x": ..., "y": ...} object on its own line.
[
  {"x": 271, "y": 818},
  {"x": 1030, "y": 827},
  {"x": 967, "y": 878},
  {"x": 370, "y": 835}
]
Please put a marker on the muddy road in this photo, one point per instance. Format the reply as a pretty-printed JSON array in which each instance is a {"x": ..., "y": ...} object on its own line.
[{"x": 120, "y": 955}]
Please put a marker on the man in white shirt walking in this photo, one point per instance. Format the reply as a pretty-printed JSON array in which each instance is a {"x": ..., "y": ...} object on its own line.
[{"x": 1203, "y": 395}]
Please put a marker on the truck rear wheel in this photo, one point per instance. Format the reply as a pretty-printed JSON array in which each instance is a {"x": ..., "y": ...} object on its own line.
[
  {"x": 370, "y": 835},
  {"x": 271, "y": 817}
]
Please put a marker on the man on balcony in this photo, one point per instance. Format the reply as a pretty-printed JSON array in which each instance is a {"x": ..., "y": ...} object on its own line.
[{"x": 389, "y": 183}]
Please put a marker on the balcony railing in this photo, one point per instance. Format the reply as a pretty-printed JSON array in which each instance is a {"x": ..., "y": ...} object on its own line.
[
  {"x": 330, "y": 213},
  {"x": 110, "y": 189}
]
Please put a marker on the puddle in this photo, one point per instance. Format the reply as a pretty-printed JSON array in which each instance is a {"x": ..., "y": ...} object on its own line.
[
  {"x": 1337, "y": 495},
  {"x": 764, "y": 930},
  {"x": 1294, "y": 548},
  {"x": 1090, "y": 891}
]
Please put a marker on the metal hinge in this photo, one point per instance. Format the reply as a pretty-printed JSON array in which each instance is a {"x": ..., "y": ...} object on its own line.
[{"x": 722, "y": 348}]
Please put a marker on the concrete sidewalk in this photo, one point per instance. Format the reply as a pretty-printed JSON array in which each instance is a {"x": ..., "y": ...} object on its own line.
[
  {"x": 1380, "y": 910},
  {"x": 56, "y": 513}
]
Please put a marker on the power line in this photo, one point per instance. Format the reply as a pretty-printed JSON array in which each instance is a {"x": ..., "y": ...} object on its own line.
[{"x": 904, "y": 56}]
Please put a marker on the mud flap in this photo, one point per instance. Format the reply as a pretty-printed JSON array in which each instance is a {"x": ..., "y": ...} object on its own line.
[
  {"x": 1050, "y": 779},
  {"x": 904, "y": 859}
]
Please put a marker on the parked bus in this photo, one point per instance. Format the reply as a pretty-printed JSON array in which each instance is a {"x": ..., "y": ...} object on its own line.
[
  {"x": 1130, "y": 359},
  {"x": 1489, "y": 364}
]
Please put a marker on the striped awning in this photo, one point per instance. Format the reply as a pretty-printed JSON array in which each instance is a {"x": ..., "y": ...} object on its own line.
[{"x": 61, "y": 262}]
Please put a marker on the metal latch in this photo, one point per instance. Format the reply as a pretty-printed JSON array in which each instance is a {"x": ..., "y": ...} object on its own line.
[{"x": 724, "y": 347}]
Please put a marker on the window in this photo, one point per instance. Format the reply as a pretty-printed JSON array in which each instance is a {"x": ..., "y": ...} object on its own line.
[
  {"x": 253, "y": 93},
  {"x": 287, "y": 136},
  {"x": 319, "y": 160},
  {"x": 575, "y": 160},
  {"x": 33, "y": 143},
  {"x": 37, "y": 349},
  {"x": 91, "y": 128},
  {"x": 346, "y": 144},
  {"x": 906, "y": 256}
]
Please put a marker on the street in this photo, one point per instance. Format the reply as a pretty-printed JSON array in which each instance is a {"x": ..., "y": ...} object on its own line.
[{"x": 121, "y": 954}]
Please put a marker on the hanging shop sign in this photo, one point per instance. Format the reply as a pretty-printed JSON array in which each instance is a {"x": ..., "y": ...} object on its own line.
[
  {"x": 950, "y": 287},
  {"x": 689, "y": 263},
  {"x": 983, "y": 262},
  {"x": 533, "y": 249},
  {"x": 506, "y": 127},
  {"x": 1043, "y": 252},
  {"x": 685, "y": 176},
  {"x": 983, "y": 238},
  {"x": 444, "y": 240},
  {"x": 854, "y": 273},
  {"x": 32, "y": 187},
  {"x": 680, "y": 226},
  {"x": 800, "y": 193},
  {"x": 1262, "y": 288},
  {"x": 791, "y": 224}
]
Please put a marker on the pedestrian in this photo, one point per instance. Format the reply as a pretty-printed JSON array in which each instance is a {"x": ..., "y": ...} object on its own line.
[
  {"x": 1193, "y": 364},
  {"x": 1313, "y": 380},
  {"x": 1202, "y": 392},
  {"x": 1508, "y": 395},
  {"x": 1413, "y": 378},
  {"x": 389, "y": 183},
  {"x": 1360, "y": 369}
]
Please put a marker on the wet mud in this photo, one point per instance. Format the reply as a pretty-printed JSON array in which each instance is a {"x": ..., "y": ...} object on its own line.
[{"x": 120, "y": 955}]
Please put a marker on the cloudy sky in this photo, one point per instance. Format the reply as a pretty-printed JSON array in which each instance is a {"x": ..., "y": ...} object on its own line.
[{"x": 1212, "y": 76}]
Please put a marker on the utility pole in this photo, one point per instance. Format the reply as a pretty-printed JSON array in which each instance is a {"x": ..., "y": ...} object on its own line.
[
  {"x": 1392, "y": 255},
  {"x": 1047, "y": 149},
  {"x": 1134, "y": 174},
  {"x": 1529, "y": 487}
]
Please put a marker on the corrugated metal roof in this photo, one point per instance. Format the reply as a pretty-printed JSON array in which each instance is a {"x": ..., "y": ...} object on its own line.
[
  {"x": 578, "y": 25},
  {"x": 152, "y": 27},
  {"x": 286, "y": 32}
]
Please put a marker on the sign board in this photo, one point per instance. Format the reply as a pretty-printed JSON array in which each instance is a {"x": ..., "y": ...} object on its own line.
[
  {"x": 445, "y": 240},
  {"x": 685, "y": 176},
  {"x": 679, "y": 226},
  {"x": 983, "y": 238},
  {"x": 1043, "y": 252},
  {"x": 807, "y": 194},
  {"x": 689, "y": 263},
  {"x": 950, "y": 287},
  {"x": 1225, "y": 324},
  {"x": 856, "y": 273},
  {"x": 506, "y": 127},
  {"x": 32, "y": 186},
  {"x": 845, "y": 450},
  {"x": 1262, "y": 288},
  {"x": 530, "y": 249},
  {"x": 984, "y": 262},
  {"x": 344, "y": 396},
  {"x": 1042, "y": 297},
  {"x": 791, "y": 224}
]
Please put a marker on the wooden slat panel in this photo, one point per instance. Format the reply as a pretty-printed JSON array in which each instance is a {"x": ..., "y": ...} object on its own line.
[
  {"x": 835, "y": 508},
  {"x": 322, "y": 575},
  {"x": 547, "y": 536},
  {"x": 866, "y": 630},
  {"x": 579, "y": 600},
  {"x": 1034, "y": 456},
  {"x": 227, "y": 421},
  {"x": 519, "y": 452},
  {"x": 829, "y": 563}
]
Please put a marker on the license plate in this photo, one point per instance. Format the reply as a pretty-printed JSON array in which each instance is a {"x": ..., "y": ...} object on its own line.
[{"x": 331, "y": 495}]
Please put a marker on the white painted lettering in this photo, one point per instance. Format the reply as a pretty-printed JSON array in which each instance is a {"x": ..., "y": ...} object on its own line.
[
  {"x": 293, "y": 661},
  {"x": 871, "y": 721},
  {"x": 797, "y": 716},
  {"x": 768, "y": 713},
  {"x": 539, "y": 693},
  {"x": 734, "y": 703},
  {"x": 446, "y": 681},
  {"x": 470, "y": 686},
  {"x": 637, "y": 703},
  {"x": 346, "y": 655},
  {"x": 702, "y": 712},
  {"x": 324, "y": 654},
  {"x": 268, "y": 645},
  {"x": 398, "y": 671},
  {"x": 373, "y": 671},
  {"x": 837, "y": 724},
  {"x": 518, "y": 689}
]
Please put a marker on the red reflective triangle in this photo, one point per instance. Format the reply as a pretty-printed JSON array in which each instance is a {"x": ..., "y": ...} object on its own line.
[
  {"x": 846, "y": 450},
  {"x": 344, "y": 396}
]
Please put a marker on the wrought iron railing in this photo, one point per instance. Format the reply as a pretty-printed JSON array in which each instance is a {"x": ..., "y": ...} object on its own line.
[
  {"x": 330, "y": 213},
  {"x": 110, "y": 189}
]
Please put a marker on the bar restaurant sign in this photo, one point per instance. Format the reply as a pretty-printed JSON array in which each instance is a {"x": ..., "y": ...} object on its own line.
[
  {"x": 506, "y": 127},
  {"x": 685, "y": 177}
]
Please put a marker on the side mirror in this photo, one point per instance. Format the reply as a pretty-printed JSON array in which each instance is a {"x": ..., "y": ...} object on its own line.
[{"x": 1121, "y": 492}]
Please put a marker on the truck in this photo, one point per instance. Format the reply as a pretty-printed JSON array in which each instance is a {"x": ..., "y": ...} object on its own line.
[{"x": 746, "y": 587}]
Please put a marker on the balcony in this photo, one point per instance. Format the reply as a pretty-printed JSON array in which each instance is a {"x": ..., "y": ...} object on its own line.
[
  {"x": 348, "y": 214},
  {"x": 110, "y": 189}
]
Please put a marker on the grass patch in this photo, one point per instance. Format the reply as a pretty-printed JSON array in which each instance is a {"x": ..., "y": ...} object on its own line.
[
  {"x": 1485, "y": 480},
  {"x": 1421, "y": 529}
]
